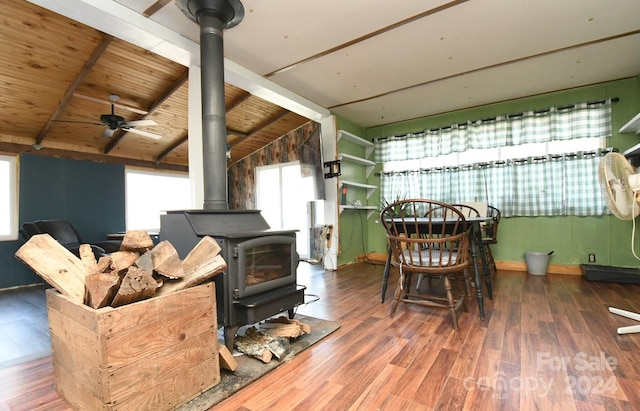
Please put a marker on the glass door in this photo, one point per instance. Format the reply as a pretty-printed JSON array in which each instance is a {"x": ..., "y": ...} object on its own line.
[{"x": 285, "y": 199}]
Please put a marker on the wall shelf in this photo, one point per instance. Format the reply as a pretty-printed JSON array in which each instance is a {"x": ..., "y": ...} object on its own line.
[
  {"x": 368, "y": 145},
  {"x": 370, "y": 209},
  {"x": 632, "y": 126},
  {"x": 369, "y": 165},
  {"x": 370, "y": 188}
]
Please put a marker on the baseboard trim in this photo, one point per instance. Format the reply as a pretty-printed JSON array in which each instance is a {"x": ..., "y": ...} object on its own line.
[
  {"x": 381, "y": 258},
  {"x": 552, "y": 269}
]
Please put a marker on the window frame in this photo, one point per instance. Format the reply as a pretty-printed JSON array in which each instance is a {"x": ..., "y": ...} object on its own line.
[{"x": 13, "y": 197}]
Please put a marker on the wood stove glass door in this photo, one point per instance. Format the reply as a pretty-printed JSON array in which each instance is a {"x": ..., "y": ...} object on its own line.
[{"x": 266, "y": 263}]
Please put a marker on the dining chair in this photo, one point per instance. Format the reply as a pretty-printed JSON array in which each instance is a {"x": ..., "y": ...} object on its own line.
[
  {"x": 429, "y": 245},
  {"x": 490, "y": 236}
]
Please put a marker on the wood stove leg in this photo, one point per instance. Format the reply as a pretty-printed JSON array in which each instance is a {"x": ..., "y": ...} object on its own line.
[
  {"x": 291, "y": 312},
  {"x": 230, "y": 336}
]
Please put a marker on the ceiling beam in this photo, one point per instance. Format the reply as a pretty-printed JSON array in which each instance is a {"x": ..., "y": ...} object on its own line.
[
  {"x": 113, "y": 18},
  {"x": 86, "y": 68},
  {"x": 235, "y": 103},
  {"x": 118, "y": 135},
  {"x": 236, "y": 133},
  {"x": 262, "y": 126},
  {"x": 172, "y": 147}
]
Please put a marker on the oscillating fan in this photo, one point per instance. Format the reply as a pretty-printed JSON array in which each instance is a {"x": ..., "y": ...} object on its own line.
[{"x": 619, "y": 183}]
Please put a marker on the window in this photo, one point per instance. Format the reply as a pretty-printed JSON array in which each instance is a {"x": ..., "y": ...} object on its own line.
[
  {"x": 488, "y": 155},
  {"x": 150, "y": 193},
  {"x": 537, "y": 163},
  {"x": 9, "y": 198}
]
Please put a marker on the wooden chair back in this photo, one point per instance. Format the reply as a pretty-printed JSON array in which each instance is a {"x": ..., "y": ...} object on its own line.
[{"x": 427, "y": 236}]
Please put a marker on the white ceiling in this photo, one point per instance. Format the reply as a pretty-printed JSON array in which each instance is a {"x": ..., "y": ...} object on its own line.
[{"x": 378, "y": 62}]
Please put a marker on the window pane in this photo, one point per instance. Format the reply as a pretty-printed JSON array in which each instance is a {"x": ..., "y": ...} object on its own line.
[
  {"x": 282, "y": 198},
  {"x": 148, "y": 194},
  {"x": 267, "y": 195},
  {"x": 8, "y": 199}
]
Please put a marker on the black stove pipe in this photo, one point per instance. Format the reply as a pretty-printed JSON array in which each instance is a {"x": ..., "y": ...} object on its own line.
[
  {"x": 214, "y": 125},
  {"x": 213, "y": 16}
]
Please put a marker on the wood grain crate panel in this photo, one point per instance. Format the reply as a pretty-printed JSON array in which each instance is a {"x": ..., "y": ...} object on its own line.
[{"x": 153, "y": 354}]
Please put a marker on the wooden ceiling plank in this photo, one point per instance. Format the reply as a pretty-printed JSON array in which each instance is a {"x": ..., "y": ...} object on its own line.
[
  {"x": 238, "y": 101},
  {"x": 108, "y": 103},
  {"x": 264, "y": 125},
  {"x": 168, "y": 93},
  {"x": 172, "y": 147},
  {"x": 95, "y": 55}
]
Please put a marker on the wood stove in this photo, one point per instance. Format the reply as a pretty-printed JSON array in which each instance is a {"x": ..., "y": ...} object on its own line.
[{"x": 260, "y": 280}]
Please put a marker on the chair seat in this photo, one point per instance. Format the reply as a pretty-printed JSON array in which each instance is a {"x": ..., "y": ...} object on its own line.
[{"x": 430, "y": 258}]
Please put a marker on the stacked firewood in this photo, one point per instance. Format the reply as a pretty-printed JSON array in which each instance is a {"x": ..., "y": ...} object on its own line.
[
  {"x": 271, "y": 338},
  {"x": 138, "y": 271}
]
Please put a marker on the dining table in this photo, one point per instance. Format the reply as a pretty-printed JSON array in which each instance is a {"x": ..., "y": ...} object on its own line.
[{"x": 476, "y": 248}]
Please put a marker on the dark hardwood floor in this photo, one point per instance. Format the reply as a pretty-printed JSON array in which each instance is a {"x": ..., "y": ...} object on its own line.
[
  {"x": 23, "y": 319},
  {"x": 548, "y": 343}
]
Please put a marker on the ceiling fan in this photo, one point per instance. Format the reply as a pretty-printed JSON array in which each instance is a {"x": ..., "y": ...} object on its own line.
[{"x": 115, "y": 122}]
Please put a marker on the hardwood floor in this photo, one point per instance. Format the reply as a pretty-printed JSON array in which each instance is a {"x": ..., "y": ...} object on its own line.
[{"x": 548, "y": 343}]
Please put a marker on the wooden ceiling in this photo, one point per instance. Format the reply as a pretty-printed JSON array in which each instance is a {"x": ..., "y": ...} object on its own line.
[{"x": 57, "y": 78}]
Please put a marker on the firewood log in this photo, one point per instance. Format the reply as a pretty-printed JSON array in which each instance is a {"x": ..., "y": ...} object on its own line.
[
  {"x": 122, "y": 260},
  {"x": 166, "y": 260},
  {"x": 104, "y": 264},
  {"x": 88, "y": 259},
  {"x": 202, "y": 263},
  {"x": 100, "y": 289},
  {"x": 55, "y": 264},
  {"x": 136, "y": 285},
  {"x": 227, "y": 361},
  {"x": 136, "y": 240}
]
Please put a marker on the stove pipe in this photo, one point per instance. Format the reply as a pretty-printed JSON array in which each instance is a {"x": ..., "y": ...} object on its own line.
[{"x": 213, "y": 16}]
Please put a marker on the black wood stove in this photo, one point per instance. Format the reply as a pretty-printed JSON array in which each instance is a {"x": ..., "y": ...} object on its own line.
[{"x": 260, "y": 280}]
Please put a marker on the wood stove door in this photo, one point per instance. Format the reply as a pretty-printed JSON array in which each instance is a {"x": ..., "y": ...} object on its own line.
[{"x": 265, "y": 263}]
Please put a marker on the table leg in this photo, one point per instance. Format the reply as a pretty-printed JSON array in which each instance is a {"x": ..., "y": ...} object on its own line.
[
  {"x": 485, "y": 264},
  {"x": 476, "y": 272},
  {"x": 385, "y": 275}
]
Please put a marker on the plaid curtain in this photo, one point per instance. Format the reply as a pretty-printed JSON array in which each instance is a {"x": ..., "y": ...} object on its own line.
[
  {"x": 554, "y": 185},
  {"x": 565, "y": 123}
]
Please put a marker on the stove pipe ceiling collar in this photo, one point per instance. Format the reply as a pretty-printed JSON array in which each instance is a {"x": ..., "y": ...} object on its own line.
[
  {"x": 230, "y": 12},
  {"x": 213, "y": 16}
]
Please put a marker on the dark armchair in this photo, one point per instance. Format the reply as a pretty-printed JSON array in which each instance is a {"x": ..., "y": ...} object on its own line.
[{"x": 64, "y": 233}]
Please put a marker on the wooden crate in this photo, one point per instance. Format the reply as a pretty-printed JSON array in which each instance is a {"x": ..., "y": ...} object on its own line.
[{"x": 155, "y": 354}]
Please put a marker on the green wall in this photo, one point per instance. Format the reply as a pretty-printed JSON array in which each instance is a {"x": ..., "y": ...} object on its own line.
[
  {"x": 353, "y": 228},
  {"x": 90, "y": 195},
  {"x": 572, "y": 238}
]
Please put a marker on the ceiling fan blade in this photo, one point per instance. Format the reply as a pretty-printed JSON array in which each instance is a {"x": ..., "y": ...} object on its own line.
[
  {"x": 143, "y": 133},
  {"x": 136, "y": 123},
  {"x": 108, "y": 132}
]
